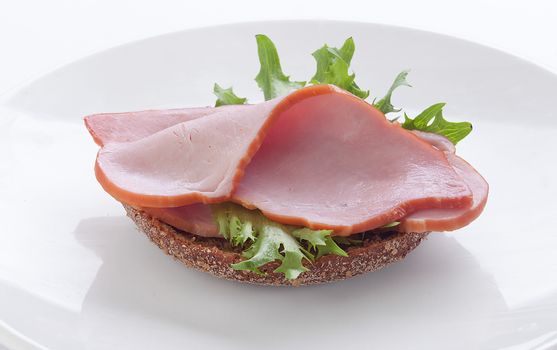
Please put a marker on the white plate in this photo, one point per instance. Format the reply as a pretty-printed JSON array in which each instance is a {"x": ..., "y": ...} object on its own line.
[{"x": 75, "y": 274}]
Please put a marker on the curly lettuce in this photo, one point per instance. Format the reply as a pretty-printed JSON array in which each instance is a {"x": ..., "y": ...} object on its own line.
[
  {"x": 384, "y": 104},
  {"x": 333, "y": 67},
  {"x": 263, "y": 241},
  {"x": 270, "y": 78},
  {"x": 431, "y": 120},
  {"x": 227, "y": 96}
]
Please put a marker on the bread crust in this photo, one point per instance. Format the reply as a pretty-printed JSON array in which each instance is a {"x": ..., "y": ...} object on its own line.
[{"x": 214, "y": 255}]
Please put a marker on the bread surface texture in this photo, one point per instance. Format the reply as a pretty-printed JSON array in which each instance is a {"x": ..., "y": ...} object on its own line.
[{"x": 215, "y": 255}]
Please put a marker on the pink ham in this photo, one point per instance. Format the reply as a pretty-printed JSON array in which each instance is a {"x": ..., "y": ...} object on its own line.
[
  {"x": 200, "y": 160},
  {"x": 449, "y": 219},
  {"x": 132, "y": 126},
  {"x": 437, "y": 141},
  {"x": 322, "y": 158},
  {"x": 345, "y": 167},
  {"x": 198, "y": 218}
]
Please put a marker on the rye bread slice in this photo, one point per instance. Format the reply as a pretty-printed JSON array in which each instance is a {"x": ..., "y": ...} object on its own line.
[{"x": 214, "y": 255}]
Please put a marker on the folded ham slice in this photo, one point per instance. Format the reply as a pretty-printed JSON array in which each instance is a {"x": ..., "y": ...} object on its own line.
[
  {"x": 198, "y": 218},
  {"x": 200, "y": 160},
  {"x": 132, "y": 126},
  {"x": 319, "y": 157},
  {"x": 449, "y": 219}
]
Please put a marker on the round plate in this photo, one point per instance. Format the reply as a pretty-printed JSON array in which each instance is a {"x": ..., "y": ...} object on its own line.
[{"x": 75, "y": 274}]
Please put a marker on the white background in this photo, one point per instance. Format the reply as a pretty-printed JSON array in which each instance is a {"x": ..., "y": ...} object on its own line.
[{"x": 37, "y": 36}]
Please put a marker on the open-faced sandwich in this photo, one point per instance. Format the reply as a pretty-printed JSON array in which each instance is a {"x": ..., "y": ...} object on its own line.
[{"x": 313, "y": 185}]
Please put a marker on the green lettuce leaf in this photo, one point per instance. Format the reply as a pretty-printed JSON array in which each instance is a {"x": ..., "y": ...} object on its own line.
[
  {"x": 384, "y": 104},
  {"x": 235, "y": 224},
  {"x": 431, "y": 120},
  {"x": 333, "y": 65},
  {"x": 274, "y": 243},
  {"x": 391, "y": 225},
  {"x": 319, "y": 241},
  {"x": 227, "y": 96},
  {"x": 270, "y": 78},
  {"x": 264, "y": 240}
]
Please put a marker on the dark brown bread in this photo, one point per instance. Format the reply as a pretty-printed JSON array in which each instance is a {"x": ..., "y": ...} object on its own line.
[{"x": 214, "y": 255}]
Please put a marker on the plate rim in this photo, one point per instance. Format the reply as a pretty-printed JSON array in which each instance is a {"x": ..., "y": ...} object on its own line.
[{"x": 8, "y": 94}]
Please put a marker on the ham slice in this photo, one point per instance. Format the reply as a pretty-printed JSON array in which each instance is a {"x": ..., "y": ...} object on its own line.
[
  {"x": 319, "y": 157},
  {"x": 198, "y": 218},
  {"x": 345, "y": 167},
  {"x": 440, "y": 142},
  {"x": 200, "y": 160},
  {"x": 132, "y": 126},
  {"x": 449, "y": 219}
]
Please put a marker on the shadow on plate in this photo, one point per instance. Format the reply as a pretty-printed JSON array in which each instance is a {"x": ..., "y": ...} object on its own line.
[{"x": 438, "y": 291}]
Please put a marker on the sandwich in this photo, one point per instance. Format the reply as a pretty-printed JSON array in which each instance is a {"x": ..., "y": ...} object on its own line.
[{"x": 313, "y": 185}]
